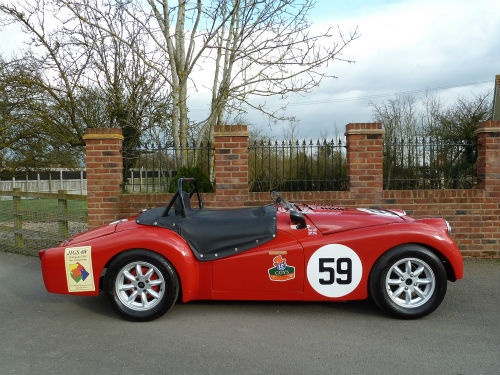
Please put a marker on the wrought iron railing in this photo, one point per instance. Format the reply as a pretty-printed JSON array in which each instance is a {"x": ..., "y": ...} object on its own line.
[
  {"x": 297, "y": 165},
  {"x": 429, "y": 163},
  {"x": 157, "y": 168}
]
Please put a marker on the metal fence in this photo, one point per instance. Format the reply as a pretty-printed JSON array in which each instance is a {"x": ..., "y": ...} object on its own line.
[
  {"x": 33, "y": 221},
  {"x": 428, "y": 163},
  {"x": 155, "y": 169},
  {"x": 297, "y": 165}
]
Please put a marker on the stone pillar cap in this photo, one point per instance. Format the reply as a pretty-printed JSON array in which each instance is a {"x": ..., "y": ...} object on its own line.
[
  {"x": 490, "y": 126},
  {"x": 231, "y": 130},
  {"x": 103, "y": 133},
  {"x": 364, "y": 128}
]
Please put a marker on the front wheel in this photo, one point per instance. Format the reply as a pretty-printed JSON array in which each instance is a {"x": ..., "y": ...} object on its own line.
[
  {"x": 408, "y": 281},
  {"x": 142, "y": 285}
]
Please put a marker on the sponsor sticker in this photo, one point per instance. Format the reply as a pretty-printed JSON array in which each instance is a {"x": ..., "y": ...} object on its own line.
[
  {"x": 78, "y": 264},
  {"x": 281, "y": 271}
]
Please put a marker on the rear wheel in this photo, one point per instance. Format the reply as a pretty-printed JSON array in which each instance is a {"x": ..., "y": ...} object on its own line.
[
  {"x": 408, "y": 281},
  {"x": 142, "y": 285}
]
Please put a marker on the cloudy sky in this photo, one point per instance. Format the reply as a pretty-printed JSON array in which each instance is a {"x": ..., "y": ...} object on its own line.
[{"x": 448, "y": 47}]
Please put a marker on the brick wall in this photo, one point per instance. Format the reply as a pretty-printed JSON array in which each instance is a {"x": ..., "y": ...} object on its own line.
[{"x": 474, "y": 214}]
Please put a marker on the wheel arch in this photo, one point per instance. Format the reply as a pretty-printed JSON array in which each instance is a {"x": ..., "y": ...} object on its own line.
[
  {"x": 186, "y": 278},
  {"x": 112, "y": 259},
  {"x": 450, "y": 272}
]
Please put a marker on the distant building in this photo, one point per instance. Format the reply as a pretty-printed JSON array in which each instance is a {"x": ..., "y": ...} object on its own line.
[{"x": 496, "y": 99}]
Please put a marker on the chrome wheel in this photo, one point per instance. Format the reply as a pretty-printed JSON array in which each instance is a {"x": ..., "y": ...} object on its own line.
[
  {"x": 410, "y": 282},
  {"x": 140, "y": 286}
]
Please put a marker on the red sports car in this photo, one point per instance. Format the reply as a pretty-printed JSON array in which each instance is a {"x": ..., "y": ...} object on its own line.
[{"x": 281, "y": 251}]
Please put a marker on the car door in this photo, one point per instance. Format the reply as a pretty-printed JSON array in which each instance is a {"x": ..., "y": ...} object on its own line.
[{"x": 274, "y": 270}]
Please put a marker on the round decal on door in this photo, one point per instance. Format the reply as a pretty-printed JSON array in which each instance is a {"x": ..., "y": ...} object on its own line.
[{"x": 334, "y": 270}]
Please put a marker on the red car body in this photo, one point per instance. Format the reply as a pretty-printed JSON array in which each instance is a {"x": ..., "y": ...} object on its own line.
[{"x": 254, "y": 274}]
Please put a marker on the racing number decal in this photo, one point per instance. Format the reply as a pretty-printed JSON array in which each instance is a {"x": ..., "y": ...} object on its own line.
[
  {"x": 340, "y": 271},
  {"x": 334, "y": 270}
]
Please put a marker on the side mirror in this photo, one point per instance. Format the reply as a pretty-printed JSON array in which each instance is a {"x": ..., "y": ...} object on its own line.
[{"x": 298, "y": 219}]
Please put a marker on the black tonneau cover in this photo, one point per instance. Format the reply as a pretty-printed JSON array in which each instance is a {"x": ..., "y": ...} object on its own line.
[{"x": 214, "y": 234}]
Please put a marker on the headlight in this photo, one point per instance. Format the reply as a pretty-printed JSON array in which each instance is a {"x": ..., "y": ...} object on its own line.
[{"x": 448, "y": 227}]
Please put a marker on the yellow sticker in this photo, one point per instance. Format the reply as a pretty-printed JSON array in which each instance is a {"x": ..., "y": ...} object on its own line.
[{"x": 79, "y": 275}]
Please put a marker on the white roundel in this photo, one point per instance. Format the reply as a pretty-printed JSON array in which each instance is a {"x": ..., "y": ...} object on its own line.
[{"x": 334, "y": 270}]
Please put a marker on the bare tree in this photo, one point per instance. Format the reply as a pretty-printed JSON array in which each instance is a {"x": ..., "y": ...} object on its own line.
[
  {"x": 131, "y": 90},
  {"x": 398, "y": 116},
  {"x": 427, "y": 136},
  {"x": 131, "y": 94},
  {"x": 88, "y": 78},
  {"x": 459, "y": 120},
  {"x": 405, "y": 117},
  {"x": 50, "y": 64},
  {"x": 24, "y": 139},
  {"x": 250, "y": 49}
]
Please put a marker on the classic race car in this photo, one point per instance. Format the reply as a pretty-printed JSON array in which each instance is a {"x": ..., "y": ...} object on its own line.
[{"x": 280, "y": 251}]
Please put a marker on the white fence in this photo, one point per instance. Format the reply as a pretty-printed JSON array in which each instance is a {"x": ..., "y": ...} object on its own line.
[{"x": 45, "y": 182}]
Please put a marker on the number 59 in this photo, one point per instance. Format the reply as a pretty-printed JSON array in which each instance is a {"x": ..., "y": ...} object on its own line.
[{"x": 343, "y": 268}]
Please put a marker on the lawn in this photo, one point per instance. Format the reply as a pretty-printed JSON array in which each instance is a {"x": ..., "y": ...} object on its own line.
[{"x": 40, "y": 208}]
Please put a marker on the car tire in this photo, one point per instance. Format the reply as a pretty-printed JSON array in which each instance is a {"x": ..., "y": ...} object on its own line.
[
  {"x": 408, "y": 281},
  {"x": 141, "y": 285}
]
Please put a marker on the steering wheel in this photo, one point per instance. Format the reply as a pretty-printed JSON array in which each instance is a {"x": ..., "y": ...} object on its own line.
[{"x": 178, "y": 195}]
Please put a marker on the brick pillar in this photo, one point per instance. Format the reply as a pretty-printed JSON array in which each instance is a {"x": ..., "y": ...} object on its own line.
[
  {"x": 231, "y": 165},
  {"x": 488, "y": 158},
  {"x": 364, "y": 161},
  {"x": 104, "y": 174}
]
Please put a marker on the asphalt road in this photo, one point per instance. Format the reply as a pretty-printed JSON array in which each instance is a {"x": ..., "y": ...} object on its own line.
[{"x": 42, "y": 333}]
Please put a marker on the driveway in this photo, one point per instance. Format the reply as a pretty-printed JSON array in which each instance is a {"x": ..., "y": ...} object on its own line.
[{"x": 43, "y": 333}]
